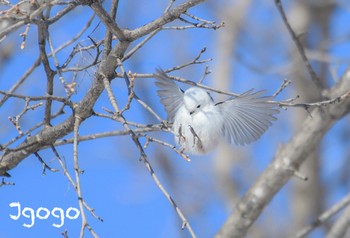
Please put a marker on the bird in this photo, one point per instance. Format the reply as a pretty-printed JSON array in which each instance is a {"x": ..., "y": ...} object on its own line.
[{"x": 199, "y": 124}]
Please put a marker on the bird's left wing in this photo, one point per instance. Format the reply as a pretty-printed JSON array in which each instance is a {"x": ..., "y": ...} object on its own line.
[
  {"x": 247, "y": 117},
  {"x": 171, "y": 96}
]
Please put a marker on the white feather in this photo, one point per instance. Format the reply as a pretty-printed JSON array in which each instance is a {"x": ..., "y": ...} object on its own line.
[{"x": 199, "y": 123}]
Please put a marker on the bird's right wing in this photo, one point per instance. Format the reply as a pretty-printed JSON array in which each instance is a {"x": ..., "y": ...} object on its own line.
[{"x": 171, "y": 96}]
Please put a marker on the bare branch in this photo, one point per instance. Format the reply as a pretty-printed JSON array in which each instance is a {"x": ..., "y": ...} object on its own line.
[
  {"x": 300, "y": 47},
  {"x": 341, "y": 225},
  {"x": 36, "y": 98},
  {"x": 167, "y": 17},
  {"x": 170, "y": 4},
  {"x": 24, "y": 35},
  {"x": 151, "y": 139},
  {"x": 108, "y": 21},
  {"x": 78, "y": 172},
  {"x": 70, "y": 179},
  {"x": 206, "y": 72},
  {"x": 50, "y": 74},
  {"x": 139, "y": 45},
  {"x": 3, "y": 182},
  {"x": 15, "y": 119},
  {"x": 19, "y": 82},
  {"x": 282, "y": 87},
  {"x": 132, "y": 94},
  {"x": 194, "y": 61},
  {"x": 45, "y": 165},
  {"x": 109, "y": 35},
  {"x": 324, "y": 217},
  {"x": 143, "y": 156},
  {"x": 324, "y": 103},
  {"x": 287, "y": 159},
  {"x": 77, "y": 36}
]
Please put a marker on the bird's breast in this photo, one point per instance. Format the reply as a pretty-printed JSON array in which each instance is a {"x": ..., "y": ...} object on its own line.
[{"x": 199, "y": 132}]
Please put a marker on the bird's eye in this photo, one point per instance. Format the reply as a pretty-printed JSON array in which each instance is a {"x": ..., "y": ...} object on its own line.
[{"x": 198, "y": 106}]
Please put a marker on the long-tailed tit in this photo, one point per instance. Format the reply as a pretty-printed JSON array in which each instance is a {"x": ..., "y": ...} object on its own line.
[{"x": 199, "y": 123}]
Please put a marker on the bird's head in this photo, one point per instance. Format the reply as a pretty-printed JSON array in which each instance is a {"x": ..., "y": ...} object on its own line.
[{"x": 195, "y": 99}]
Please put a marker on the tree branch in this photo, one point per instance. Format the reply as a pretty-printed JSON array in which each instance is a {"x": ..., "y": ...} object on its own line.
[
  {"x": 287, "y": 159},
  {"x": 299, "y": 46},
  {"x": 167, "y": 17},
  {"x": 324, "y": 217}
]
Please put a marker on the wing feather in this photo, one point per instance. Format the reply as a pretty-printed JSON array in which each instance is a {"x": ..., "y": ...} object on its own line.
[
  {"x": 247, "y": 117},
  {"x": 171, "y": 96}
]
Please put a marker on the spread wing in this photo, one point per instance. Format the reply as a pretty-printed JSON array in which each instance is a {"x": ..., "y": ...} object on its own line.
[
  {"x": 247, "y": 117},
  {"x": 171, "y": 96}
]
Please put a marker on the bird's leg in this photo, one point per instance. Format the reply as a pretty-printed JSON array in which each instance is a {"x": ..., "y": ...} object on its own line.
[
  {"x": 183, "y": 149},
  {"x": 180, "y": 135},
  {"x": 200, "y": 145}
]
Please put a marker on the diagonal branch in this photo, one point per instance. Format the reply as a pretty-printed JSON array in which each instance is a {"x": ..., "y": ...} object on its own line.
[
  {"x": 108, "y": 21},
  {"x": 167, "y": 17},
  {"x": 143, "y": 156},
  {"x": 288, "y": 159},
  {"x": 324, "y": 217},
  {"x": 341, "y": 225},
  {"x": 300, "y": 47}
]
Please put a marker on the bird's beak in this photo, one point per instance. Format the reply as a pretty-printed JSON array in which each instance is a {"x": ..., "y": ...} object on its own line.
[{"x": 191, "y": 112}]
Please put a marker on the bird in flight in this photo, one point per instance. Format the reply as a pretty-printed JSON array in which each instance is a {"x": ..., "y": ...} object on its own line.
[{"x": 199, "y": 123}]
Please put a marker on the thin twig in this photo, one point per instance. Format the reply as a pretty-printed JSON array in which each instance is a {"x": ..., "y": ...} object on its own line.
[
  {"x": 108, "y": 21},
  {"x": 341, "y": 225},
  {"x": 15, "y": 120},
  {"x": 63, "y": 166},
  {"x": 78, "y": 172},
  {"x": 63, "y": 12},
  {"x": 132, "y": 93},
  {"x": 201, "y": 23},
  {"x": 191, "y": 83},
  {"x": 199, "y": 19},
  {"x": 77, "y": 36},
  {"x": 285, "y": 83},
  {"x": 179, "y": 152},
  {"x": 109, "y": 134},
  {"x": 58, "y": 68},
  {"x": 70, "y": 179},
  {"x": 45, "y": 166},
  {"x": 300, "y": 47},
  {"x": 13, "y": 140},
  {"x": 307, "y": 106},
  {"x": 206, "y": 72},
  {"x": 3, "y": 182},
  {"x": 24, "y": 35},
  {"x": 185, "y": 223},
  {"x": 37, "y": 98},
  {"x": 324, "y": 217},
  {"x": 170, "y": 4},
  {"x": 192, "y": 62},
  {"x": 20, "y": 81},
  {"x": 64, "y": 234},
  {"x": 109, "y": 36},
  {"x": 79, "y": 49},
  {"x": 143, "y": 156},
  {"x": 139, "y": 45}
]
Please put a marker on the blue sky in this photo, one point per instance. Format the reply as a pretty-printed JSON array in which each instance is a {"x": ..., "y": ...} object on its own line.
[{"x": 115, "y": 183}]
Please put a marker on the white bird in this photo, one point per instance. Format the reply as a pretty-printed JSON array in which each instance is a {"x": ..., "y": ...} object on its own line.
[{"x": 199, "y": 123}]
